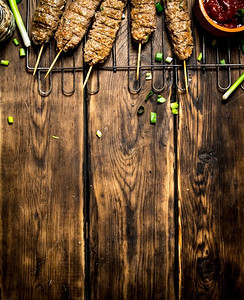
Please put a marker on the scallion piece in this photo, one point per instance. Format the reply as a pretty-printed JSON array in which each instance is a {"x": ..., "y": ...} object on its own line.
[
  {"x": 159, "y": 7},
  {"x": 168, "y": 59},
  {"x": 222, "y": 62},
  {"x": 21, "y": 52},
  {"x": 10, "y": 120},
  {"x": 148, "y": 76},
  {"x": 147, "y": 38},
  {"x": 214, "y": 42},
  {"x": 153, "y": 118},
  {"x": 161, "y": 99},
  {"x": 240, "y": 12},
  {"x": 16, "y": 42},
  {"x": 4, "y": 62},
  {"x": 55, "y": 137},
  {"x": 140, "y": 110},
  {"x": 99, "y": 134},
  {"x": 199, "y": 57},
  {"x": 19, "y": 22},
  {"x": 233, "y": 87},
  {"x": 174, "y": 111},
  {"x": 174, "y": 105},
  {"x": 148, "y": 95},
  {"x": 159, "y": 56},
  {"x": 123, "y": 16}
]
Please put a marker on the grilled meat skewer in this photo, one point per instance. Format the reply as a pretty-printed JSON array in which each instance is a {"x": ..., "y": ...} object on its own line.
[
  {"x": 73, "y": 25},
  {"x": 179, "y": 26}
]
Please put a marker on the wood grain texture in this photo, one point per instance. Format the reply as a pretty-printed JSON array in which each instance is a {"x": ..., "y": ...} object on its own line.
[
  {"x": 41, "y": 228},
  {"x": 210, "y": 170}
]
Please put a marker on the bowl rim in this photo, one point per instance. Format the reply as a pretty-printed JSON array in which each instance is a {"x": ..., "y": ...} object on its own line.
[{"x": 222, "y": 28}]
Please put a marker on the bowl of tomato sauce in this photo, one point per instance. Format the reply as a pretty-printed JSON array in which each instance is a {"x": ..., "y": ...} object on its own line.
[{"x": 224, "y": 18}]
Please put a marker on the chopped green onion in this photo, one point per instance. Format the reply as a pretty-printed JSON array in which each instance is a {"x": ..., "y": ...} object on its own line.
[
  {"x": 181, "y": 5},
  {"x": 161, "y": 99},
  {"x": 214, "y": 42},
  {"x": 174, "y": 111},
  {"x": 240, "y": 12},
  {"x": 168, "y": 59},
  {"x": 233, "y": 87},
  {"x": 99, "y": 134},
  {"x": 10, "y": 120},
  {"x": 222, "y": 62},
  {"x": 159, "y": 56},
  {"x": 19, "y": 22},
  {"x": 153, "y": 117},
  {"x": 55, "y": 137},
  {"x": 123, "y": 16},
  {"x": 159, "y": 7},
  {"x": 16, "y": 42},
  {"x": 140, "y": 110},
  {"x": 148, "y": 76},
  {"x": 148, "y": 95},
  {"x": 4, "y": 62},
  {"x": 199, "y": 57},
  {"x": 21, "y": 52},
  {"x": 147, "y": 38},
  {"x": 174, "y": 105},
  {"x": 102, "y": 8}
]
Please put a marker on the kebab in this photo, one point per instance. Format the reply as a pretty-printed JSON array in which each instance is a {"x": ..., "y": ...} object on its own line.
[
  {"x": 45, "y": 23},
  {"x": 143, "y": 23},
  {"x": 103, "y": 33},
  {"x": 179, "y": 26},
  {"x": 73, "y": 25}
]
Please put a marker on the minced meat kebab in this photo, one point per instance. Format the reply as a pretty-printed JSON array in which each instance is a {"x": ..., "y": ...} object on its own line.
[
  {"x": 179, "y": 26},
  {"x": 104, "y": 30},
  {"x": 45, "y": 20},
  {"x": 143, "y": 19}
]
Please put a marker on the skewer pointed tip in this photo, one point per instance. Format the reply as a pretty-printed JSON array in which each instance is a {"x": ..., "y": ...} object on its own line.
[{"x": 87, "y": 77}]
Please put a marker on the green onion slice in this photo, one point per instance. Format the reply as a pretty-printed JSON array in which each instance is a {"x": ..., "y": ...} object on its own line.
[
  {"x": 21, "y": 52},
  {"x": 168, "y": 59},
  {"x": 199, "y": 57},
  {"x": 233, "y": 87},
  {"x": 147, "y": 38},
  {"x": 55, "y": 137},
  {"x": 174, "y": 111},
  {"x": 214, "y": 42},
  {"x": 240, "y": 12},
  {"x": 153, "y": 118},
  {"x": 4, "y": 62},
  {"x": 159, "y": 7},
  {"x": 99, "y": 134},
  {"x": 223, "y": 62},
  {"x": 161, "y": 99},
  {"x": 140, "y": 110},
  {"x": 148, "y": 76},
  {"x": 149, "y": 95},
  {"x": 16, "y": 42},
  {"x": 174, "y": 105},
  {"x": 10, "y": 120},
  {"x": 159, "y": 56}
]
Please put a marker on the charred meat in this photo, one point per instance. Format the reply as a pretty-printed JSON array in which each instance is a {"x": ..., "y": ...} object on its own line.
[
  {"x": 74, "y": 23},
  {"x": 45, "y": 20},
  {"x": 104, "y": 30},
  {"x": 179, "y": 26},
  {"x": 143, "y": 19}
]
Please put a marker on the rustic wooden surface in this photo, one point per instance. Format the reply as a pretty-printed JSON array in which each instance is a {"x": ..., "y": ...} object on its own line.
[{"x": 145, "y": 212}]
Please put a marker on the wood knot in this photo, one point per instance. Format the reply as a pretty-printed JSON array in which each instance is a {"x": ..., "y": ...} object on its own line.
[{"x": 208, "y": 269}]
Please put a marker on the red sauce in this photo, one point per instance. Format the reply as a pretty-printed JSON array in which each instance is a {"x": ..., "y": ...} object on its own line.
[{"x": 224, "y": 12}]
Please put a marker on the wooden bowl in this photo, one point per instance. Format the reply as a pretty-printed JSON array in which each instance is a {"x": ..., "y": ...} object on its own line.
[{"x": 209, "y": 25}]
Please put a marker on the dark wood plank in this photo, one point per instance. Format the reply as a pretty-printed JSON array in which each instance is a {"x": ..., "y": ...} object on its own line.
[
  {"x": 131, "y": 186},
  {"x": 210, "y": 155},
  {"x": 41, "y": 195}
]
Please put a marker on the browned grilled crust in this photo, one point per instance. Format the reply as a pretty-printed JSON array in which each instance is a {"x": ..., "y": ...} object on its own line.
[
  {"x": 179, "y": 26},
  {"x": 143, "y": 19},
  {"x": 104, "y": 30},
  {"x": 74, "y": 23},
  {"x": 45, "y": 20}
]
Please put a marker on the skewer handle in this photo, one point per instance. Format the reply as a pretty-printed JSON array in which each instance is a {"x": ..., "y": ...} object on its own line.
[
  {"x": 53, "y": 63},
  {"x": 87, "y": 77},
  {"x": 138, "y": 61},
  {"x": 38, "y": 59}
]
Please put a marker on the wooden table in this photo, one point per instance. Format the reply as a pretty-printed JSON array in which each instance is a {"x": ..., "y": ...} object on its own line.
[{"x": 146, "y": 211}]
